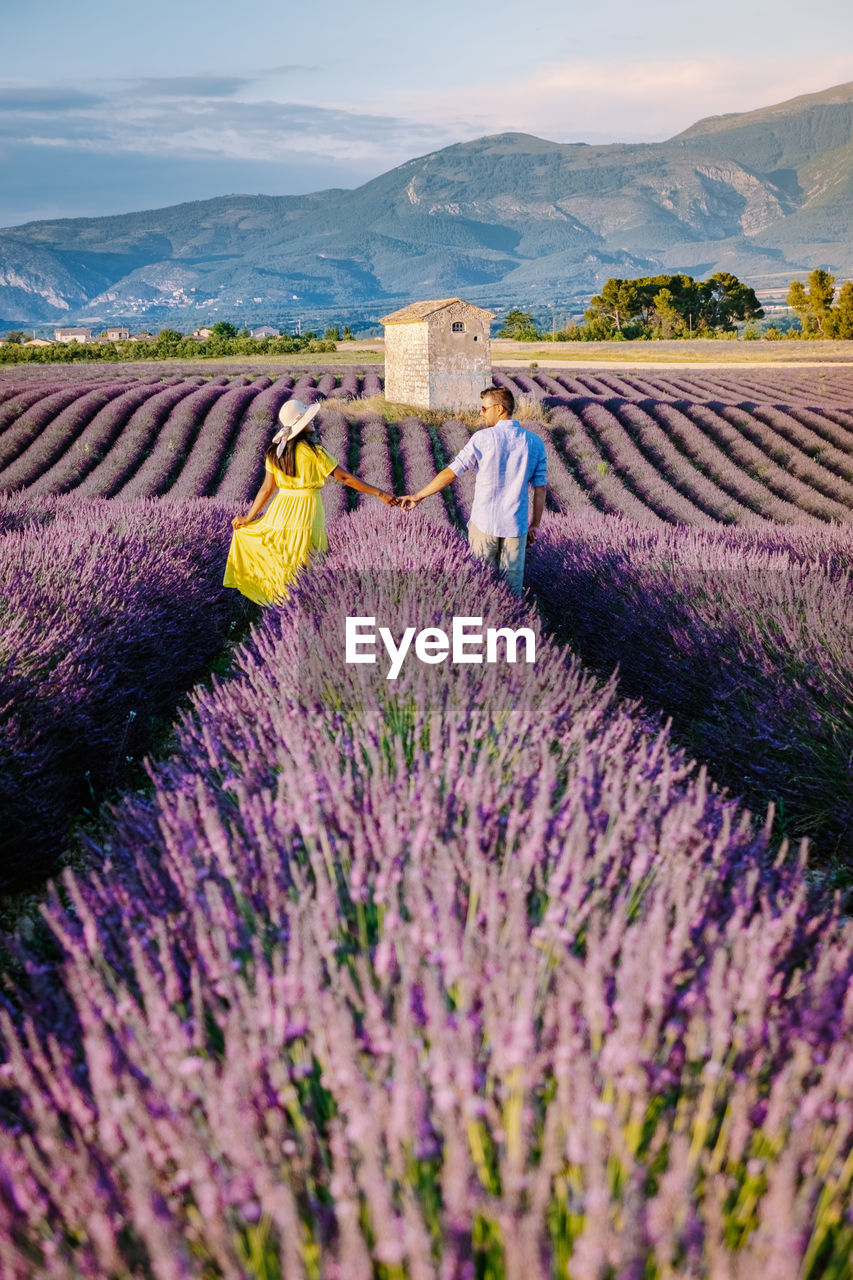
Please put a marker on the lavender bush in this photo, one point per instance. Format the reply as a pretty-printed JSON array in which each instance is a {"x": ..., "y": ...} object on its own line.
[
  {"x": 305, "y": 385},
  {"x": 94, "y": 441},
  {"x": 245, "y": 468},
  {"x": 207, "y": 462},
  {"x": 349, "y": 385},
  {"x": 332, "y": 430},
  {"x": 457, "y": 496},
  {"x": 375, "y": 457},
  {"x": 326, "y": 384},
  {"x": 158, "y": 470},
  {"x": 417, "y": 460},
  {"x": 563, "y": 487},
  {"x": 579, "y": 446},
  {"x": 743, "y": 636},
  {"x": 528, "y": 386},
  {"x": 730, "y": 430},
  {"x": 23, "y": 420},
  {"x": 109, "y": 612},
  {"x": 130, "y": 449},
  {"x": 641, "y": 424},
  {"x": 453, "y": 435},
  {"x": 469, "y": 975}
]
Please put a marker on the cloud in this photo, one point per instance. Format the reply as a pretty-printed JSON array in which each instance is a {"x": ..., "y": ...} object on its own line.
[
  {"x": 45, "y": 100},
  {"x": 625, "y": 99},
  {"x": 192, "y": 86},
  {"x": 199, "y": 116}
]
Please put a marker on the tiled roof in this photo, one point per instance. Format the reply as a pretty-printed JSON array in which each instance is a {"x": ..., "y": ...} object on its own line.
[{"x": 420, "y": 310}]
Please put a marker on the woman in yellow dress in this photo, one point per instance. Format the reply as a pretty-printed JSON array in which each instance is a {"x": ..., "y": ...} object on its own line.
[{"x": 266, "y": 555}]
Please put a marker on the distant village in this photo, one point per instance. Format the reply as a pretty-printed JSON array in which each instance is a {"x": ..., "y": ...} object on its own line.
[{"x": 119, "y": 334}]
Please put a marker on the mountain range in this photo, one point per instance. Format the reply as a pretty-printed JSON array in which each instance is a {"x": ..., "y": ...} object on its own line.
[{"x": 505, "y": 219}]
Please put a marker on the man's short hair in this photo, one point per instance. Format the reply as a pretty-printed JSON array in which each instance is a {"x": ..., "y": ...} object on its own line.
[{"x": 500, "y": 395}]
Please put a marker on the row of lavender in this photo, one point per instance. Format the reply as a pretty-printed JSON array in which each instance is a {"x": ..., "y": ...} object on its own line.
[
  {"x": 652, "y": 460},
  {"x": 762, "y": 385},
  {"x": 767, "y": 386},
  {"x": 473, "y": 975},
  {"x": 44, "y": 379},
  {"x": 186, "y": 436},
  {"x": 696, "y": 463},
  {"x": 109, "y": 612},
  {"x": 742, "y": 636}
]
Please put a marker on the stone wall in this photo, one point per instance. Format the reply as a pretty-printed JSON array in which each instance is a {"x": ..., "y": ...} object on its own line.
[
  {"x": 460, "y": 363},
  {"x": 407, "y": 364}
]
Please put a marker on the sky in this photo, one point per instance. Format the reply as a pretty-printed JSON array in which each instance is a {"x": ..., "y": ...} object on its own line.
[{"x": 113, "y": 108}]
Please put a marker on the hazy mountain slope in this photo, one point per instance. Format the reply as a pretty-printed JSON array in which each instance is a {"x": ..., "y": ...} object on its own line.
[
  {"x": 767, "y": 194},
  {"x": 780, "y": 138}
]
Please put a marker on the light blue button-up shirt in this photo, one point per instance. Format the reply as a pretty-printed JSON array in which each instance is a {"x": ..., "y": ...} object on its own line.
[{"x": 508, "y": 459}]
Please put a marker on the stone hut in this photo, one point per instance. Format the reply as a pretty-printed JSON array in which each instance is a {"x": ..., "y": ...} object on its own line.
[{"x": 438, "y": 354}]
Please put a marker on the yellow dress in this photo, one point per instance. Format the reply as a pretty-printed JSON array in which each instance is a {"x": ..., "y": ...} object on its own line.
[{"x": 266, "y": 555}]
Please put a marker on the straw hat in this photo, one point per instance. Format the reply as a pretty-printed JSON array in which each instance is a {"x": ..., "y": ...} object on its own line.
[{"x": 294, "y": 417}]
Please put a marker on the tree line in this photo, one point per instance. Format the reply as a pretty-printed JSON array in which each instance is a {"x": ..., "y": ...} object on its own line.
[
  {"x": 225, "y": 340},
  {"x": 663, "y": 306},
  {"x": 677, "y": 306}
]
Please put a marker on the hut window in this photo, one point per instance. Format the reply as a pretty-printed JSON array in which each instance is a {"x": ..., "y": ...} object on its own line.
[{"x": 458, "y": 326}]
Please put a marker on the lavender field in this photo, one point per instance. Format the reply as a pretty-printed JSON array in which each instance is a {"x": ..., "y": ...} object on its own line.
[
  {"x": 486, "y": 972},
  {"x": 685, "y": 448}
]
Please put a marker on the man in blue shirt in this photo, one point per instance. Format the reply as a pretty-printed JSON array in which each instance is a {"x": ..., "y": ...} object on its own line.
[{"x": 508, "y": 459}]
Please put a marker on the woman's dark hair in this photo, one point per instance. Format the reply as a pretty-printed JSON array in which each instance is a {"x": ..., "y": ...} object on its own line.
[
  {"x": 287, "y": 461},
  {"x": 500, "y": 395}
]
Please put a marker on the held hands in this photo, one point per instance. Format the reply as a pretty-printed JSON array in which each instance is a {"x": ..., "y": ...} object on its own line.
[{"x": 406, "y": 503}]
